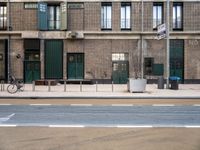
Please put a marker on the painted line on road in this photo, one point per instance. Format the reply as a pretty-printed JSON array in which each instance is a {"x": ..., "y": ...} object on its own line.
[
  {"x": 40, "y": 104},
  {"x": 134, "y": 126},
  {"x": 122, "y": 105},
  {"x": 190, "y": 126},
  {"x": 163, "y": 105},
  {"x": 5, "y": 104},
  {"x": 196, "y": 105},
  {"x": 81, "y": 104},
  {"x": 66, "y": 126},
  {"x": 8, "y": 125}
]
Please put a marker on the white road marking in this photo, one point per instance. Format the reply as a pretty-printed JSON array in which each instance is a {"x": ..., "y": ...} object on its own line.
[
  {"x": 8, "y": 125},
  {"x": 134, "y": 126},
  {"x": 40, "y": 104},
  {"x": 191, "y": 126},
  {"x": 122, "y": 105},
  {"x": 66, "y": 126},
  {"x": 163, "y": 105},
  {"x": 4, "y": 119},
  {"x": 5, "y": 104},
  {"x": 196, "y": 105},
  {"x": 81, "y": 105}
]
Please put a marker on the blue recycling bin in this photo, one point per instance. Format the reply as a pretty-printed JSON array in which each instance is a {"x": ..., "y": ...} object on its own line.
[{"x": 174, "y": 81}]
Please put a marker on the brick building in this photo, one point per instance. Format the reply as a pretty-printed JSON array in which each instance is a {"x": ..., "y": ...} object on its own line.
[{"x": 98, "y": 40}]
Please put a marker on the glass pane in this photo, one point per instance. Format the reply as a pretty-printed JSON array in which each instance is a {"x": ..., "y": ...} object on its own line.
[
  {"x": 57, "y": 17},
  {"x": 109, "y": 14},
  {"x": 51, "y": 13},
  {"x": 122, "y": 17},
  {"x": 154, "y": 16}
]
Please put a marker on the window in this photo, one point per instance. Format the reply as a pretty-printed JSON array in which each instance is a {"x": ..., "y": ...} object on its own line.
[
  {"x": 157, "y": 14},
  {"x": 106, "y": 16},
  {"x": 177, "y": 16},
  {"x": 30, "y": 5},
  {"x": 126, "y": 16},
  {"x": 53, "y": 17},
  {"x": 3, "y": 17},
  {"x": 120, "y": 57}
]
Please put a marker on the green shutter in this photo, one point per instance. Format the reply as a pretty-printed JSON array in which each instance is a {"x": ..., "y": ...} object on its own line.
[
  {"x": 42, "y": 16},
  {"x": 63, "y": 7}
]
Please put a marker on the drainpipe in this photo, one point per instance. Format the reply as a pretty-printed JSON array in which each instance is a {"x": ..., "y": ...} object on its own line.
[
  {"x": 142, "y": 47},
  {"x": 8, "y": 29}
]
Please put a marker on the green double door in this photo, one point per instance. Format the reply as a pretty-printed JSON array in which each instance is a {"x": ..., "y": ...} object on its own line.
[
  {"x": 53, "y": 59},
  {"x": 177, "y": 58},
  {"x": 120, "y": 72},
  {"x": 32, "y": 71},
  {"x": 75, "y": 66}
]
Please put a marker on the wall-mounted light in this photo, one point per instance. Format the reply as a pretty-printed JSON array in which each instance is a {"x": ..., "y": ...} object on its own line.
[{"x": 18, "y": 56}]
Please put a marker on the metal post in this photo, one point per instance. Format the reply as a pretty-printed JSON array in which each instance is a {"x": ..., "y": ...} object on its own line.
[
  {"x": 33, "y": 88},
  {"x": 142, "y": 47},
  {"x": 96, "y": 86},
  {"x": 112, "y": 86},
  {"x": 81, "y": 86},
  {"x": 49, "y": 86},
  {"x": 65, "y": 88},
  {"x": 167, "y": 45},
  {"x": 8, "y": 29}
]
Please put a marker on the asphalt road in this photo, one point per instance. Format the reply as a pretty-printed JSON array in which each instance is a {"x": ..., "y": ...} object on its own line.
[{"x": 100, "y": 116}]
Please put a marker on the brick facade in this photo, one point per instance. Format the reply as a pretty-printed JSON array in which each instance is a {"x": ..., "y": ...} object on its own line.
[{"x": 98, "y": 46}]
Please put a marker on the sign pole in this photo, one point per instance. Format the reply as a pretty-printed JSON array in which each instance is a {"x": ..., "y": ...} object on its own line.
[{"x": 167, "y": 45}]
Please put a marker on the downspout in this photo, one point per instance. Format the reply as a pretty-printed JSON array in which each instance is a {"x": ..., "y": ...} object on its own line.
[
  {"x": 142, "y": 47},
  {"x": 8, "y": 29}
]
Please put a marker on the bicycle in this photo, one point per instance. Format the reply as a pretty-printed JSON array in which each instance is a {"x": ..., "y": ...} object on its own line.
[{"x": 15, "y": 85}]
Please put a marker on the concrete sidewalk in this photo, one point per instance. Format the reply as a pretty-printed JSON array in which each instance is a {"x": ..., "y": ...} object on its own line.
[{"x": 186, "y": 91}]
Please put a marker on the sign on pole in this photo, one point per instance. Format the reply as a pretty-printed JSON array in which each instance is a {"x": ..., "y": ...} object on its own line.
[{"x": 161, "y": 31}]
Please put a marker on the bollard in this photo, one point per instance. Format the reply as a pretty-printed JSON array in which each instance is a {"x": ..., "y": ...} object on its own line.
[
  {"x": 65, "y": 88},
  {"x": 49, "y": 86},
  {"x": 112, "y": 86},
  {"x": 96, "y": 86},
  {"x": 33, "y": 86},
  {"x": 2, "y": 85},
  {"x": 81, "y": 86}
]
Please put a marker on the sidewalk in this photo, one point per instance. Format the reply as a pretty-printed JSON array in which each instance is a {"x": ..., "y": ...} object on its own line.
[{"x": 186, "y": 91}]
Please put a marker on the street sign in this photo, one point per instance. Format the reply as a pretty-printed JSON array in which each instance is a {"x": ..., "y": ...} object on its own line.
[
  {"x": 161, "y": 31},
  {"x": 161, "y": 28}
]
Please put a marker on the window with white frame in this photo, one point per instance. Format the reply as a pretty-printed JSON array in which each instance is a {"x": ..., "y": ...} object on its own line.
[
  {"x": 178, "y": 16},
  {"x": 157, "y": 14},
  {"x": 126, "y": 16},
  {"x": 106, "y": 16},
  {"x": 53, "y": 17},
  {"x": 3, "y": 17}
]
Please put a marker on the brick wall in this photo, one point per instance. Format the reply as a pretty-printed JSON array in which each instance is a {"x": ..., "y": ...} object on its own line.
[
  {"x": 23, "y": 19},
  {"x": 192, "y": 59},
  {"x": 92, "y": 21},
  {"x": 16, "y": 65}
]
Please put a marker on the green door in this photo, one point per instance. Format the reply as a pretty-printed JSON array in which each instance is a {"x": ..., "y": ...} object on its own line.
[
  {"x": 32, "y": 71},
  {"x": 53, "y": 59},
  {"x": 120, "y": 72},
  {"x": 75, "y": 66},
  {"x": 177, "y": 58}
]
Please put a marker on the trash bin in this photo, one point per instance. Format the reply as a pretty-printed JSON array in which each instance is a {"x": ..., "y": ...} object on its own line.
[
  {"x": 174, "y": 81},
  {"x": 160, "y": 82}
]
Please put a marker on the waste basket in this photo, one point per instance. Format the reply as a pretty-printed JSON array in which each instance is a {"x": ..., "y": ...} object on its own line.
[
  {"x": 174, "y": 81},
  {"x": 160, "y": 82}
]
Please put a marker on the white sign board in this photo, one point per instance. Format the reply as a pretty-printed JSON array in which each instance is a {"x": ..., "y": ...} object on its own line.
[{"x": 161, "y": 28}]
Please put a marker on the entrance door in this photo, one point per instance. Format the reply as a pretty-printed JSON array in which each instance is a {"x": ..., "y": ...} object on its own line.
[
  {"x": 75, "y": 66},
  {"x": 177, "y": 58},
  {"x": 53, "y": 59},
  {"x": 32, "y": 71},
  {"x": 120, "y": 72},
  {"x": 3, "y": 59}
]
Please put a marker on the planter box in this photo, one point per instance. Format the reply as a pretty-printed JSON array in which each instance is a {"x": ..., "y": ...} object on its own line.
[{"x": 137, "y": 85}]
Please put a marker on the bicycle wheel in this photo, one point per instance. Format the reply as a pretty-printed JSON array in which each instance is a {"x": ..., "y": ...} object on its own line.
[{"x": 12, "y": 88}]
